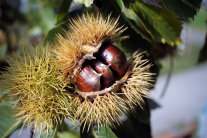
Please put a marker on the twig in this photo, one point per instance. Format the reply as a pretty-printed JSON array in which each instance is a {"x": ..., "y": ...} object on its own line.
[
  {"x": 32, "y": 132},
  {"x": 168, "y": 77}
]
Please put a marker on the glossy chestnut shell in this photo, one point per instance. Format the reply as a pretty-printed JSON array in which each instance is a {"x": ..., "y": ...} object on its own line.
[
  {"x": 107, "y": 76},
  {"x": 114, "y": 57},
  {"x": 109, "y": 66}
]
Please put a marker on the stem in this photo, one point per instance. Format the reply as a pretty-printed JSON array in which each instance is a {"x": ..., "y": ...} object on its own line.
[
  {"x": 203, "y": 56},
  {"x": 168, "y": 77},
  {"x": 32, "y": 132}
]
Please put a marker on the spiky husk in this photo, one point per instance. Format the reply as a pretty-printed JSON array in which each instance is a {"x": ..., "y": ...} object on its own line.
[
  {"x": 104, "y": 110},
  {"x": 122, "y": 99},
  {"x": 33, "y": 79},
  {"x": 85, "y": 36},
  {"x": 137, "y": 85}
]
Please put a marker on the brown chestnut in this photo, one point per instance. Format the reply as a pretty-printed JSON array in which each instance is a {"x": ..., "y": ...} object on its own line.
[
  {"x": 95, "y": 75},
  {"x": 115, "y": 58},
  {"x": 88, "y": 80},
  {"x": 107, "y": 78}
]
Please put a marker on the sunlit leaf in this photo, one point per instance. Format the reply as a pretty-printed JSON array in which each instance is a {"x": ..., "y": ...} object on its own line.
[
  {"x": 139, "y": 25},
  {"x": 164, "y": 26},
  {"x": 87, "y": 3},
  {"x": 133, "y": 20}
]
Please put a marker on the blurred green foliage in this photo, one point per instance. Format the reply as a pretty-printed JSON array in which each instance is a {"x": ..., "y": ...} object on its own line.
[
  {"x": 104, "y": 132},
  {"x": 7, "y": 120},
  {"x": 188, "y": 59},
  {"x": 199, "y": 21},
  {"x": 41, "y": 15}
]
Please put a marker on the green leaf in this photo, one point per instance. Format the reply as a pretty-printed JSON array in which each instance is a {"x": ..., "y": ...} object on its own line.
[
  {"x": 67, "y": 134},
  {"x": 125, "y": 130},
  {"x": 3, "y": 50},
  {"x": 87, "y": 3},
  {"x": 7, "y": 121},
  {"x": 50, "y": 134},
  {"x": 164, "y": 26},
  {"x": 142, "y": 114},
  {"x": 139, "y": 26},
  {"x": 67, "y": 125},
  {"x": 185, "y": 9},
  {"x": 63, "y": 11},
  {"x": 41, "y": 14},
  {"x": 103, "y": 132},
  {"x": 3, "y": 93},
  {"x": 51, "y": 36},
  {"x": 155, "y": 3},
  {"x": 141, "y": 120},
  {"x": 121, "y": 4},
  {"x": 51, "y": 3},
  {"x": 137, "y": 23},
  {"x": 134, "y": 43}
]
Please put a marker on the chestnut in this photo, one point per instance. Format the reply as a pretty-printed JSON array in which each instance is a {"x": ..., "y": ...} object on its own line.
[
  {"x": 107, "y": 78},
  {"x": 115, "y": 58},
  {"x": 110, "y": 65},
  {"x": 88, "y": 80}
]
